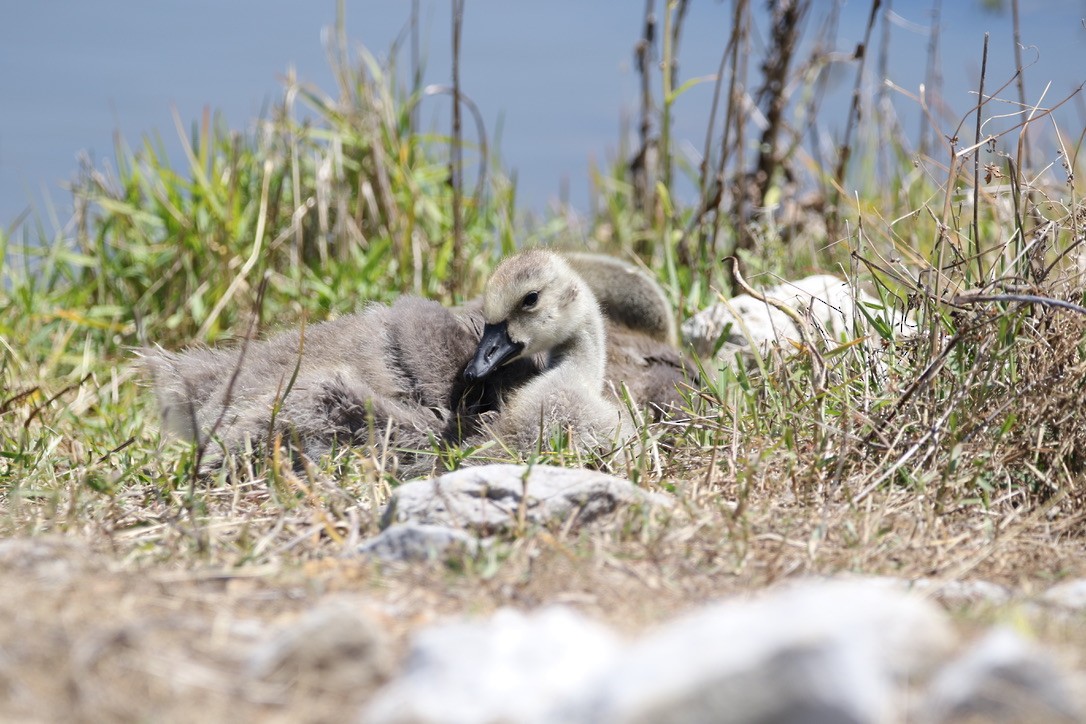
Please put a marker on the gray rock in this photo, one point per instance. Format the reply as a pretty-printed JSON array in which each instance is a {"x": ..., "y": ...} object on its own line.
[
  {"x": 747, "y": 323},
  {"x": 333, "y": 647},
  {"x": 414, "y": 542},
  {"x": 1068, "y": 594},
  {"x": 828, "y": 651},
  {"x": 1003, "y": 678},
  {"x": 492, "y": 498},
  {"x": 512, "y": 667}
]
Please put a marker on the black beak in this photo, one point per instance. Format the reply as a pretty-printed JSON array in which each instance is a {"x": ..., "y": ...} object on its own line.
[{"x": 494, "y": 348}]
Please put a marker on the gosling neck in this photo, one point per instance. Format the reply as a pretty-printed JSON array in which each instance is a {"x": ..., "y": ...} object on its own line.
[{"x": 584, "y": 352}]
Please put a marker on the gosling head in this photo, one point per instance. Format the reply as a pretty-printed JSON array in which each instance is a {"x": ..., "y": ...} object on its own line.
[{"x": 534, "y": 302}]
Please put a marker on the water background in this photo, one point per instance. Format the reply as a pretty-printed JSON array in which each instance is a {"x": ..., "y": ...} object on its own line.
[{"x": 557, "y": 76}]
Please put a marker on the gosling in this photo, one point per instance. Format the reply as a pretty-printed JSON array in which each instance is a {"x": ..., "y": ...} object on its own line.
[
  {"x": 536, "y": 306},
  {"x": 390, "y": 377},
  {"x": 385, "y": 377}
]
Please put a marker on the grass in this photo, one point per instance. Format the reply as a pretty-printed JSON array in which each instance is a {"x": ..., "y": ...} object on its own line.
[{"x": 953, "y": 452}]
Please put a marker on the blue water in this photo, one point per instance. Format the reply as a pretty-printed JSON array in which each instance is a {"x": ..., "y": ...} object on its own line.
[{"x": 558, "y": 75}]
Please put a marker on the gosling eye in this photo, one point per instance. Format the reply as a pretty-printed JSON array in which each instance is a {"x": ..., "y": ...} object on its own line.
[{"x": 529, "y": 301}]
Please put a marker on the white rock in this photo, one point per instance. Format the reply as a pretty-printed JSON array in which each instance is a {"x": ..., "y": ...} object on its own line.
[
  {"x": 826, "y": 300},
  {"x": 818, "y": 651},
  {"x": 1068, "y": 594},
  {"x": 414, "y": 542},
  {"x": 490, "y": 498},
  {"x": 1003, "y": 678},
  {"x": 513, "y": 667},
  {"x": 744, "y": 323},
  {"x": 827, "y": 651}
]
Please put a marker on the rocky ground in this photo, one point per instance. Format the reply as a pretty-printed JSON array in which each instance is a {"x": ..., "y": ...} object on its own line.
[{"x": 502, "y": 593}]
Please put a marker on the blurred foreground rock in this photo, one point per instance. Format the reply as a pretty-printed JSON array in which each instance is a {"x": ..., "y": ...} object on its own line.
[
  {"x": 1070, "y": 595},
  {"x": 334, "y": 647},
  {"x": 825, "y": 651},
  {"x": 1003, "y": 678},
  {"x": 819, "y": 651},
  {"x": 512, "y": 667}
]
